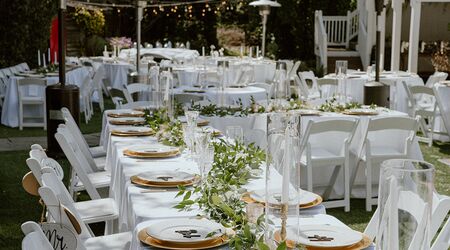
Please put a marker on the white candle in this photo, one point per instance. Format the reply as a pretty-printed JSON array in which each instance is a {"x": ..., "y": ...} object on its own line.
[
  {"x": 203, "y": 51},
  {"x": 166, "y": 95},
  {"x": 43, "y": 60},
  {"x": 48, "y": 57},
  {"x": 39, "y": 58},
  {"x": 106, "y": 49},
  {"x": 55, "y": 59},
  {"x": 257, "y": 51}
]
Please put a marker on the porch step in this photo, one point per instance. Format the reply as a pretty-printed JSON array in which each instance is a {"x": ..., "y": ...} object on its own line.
[
  {"x": 341, "y": 52},
  {"x": 354, "y": 62}
]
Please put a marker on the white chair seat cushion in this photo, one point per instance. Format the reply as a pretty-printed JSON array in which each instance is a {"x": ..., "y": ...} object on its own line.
[
  {"x": 97, "y": 210},
  {"x": 100, "y": 162},
  {"x": 32, "y": 99},
  {"x": 98, "y": 179},
  {"x": 321, "y": 154},
  {"x": 97, "y": 152},
  {"x": 384, "y": 152},
  {"x": 110, "y": 242}
]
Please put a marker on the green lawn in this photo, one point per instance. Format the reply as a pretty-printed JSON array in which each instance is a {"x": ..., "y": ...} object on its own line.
[
  {"x": 93, "y": 126},
  {"x": 16, "y": 206}
]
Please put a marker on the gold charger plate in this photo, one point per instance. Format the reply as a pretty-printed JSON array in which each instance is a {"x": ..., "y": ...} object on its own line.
[
  {"x": 349, "y": 112},
  {"x": 364, "y": 243},
  {"x": 139, "y": 181},
  {"x": 126, "y": 122},
  {"x": 151, "y": 155},
  {"x": 120, "y": 133},
  {"x": 148, "y": 240},
  {"x": 202, "y": 123},
  {"x": 246, "y": 198},
  {"x": 120, "y": 115}
]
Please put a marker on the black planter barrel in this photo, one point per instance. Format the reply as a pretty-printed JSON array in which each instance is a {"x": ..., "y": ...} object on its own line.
[
  {"x": 59, "y": 96},
  {"x": 377, "y": 93}
]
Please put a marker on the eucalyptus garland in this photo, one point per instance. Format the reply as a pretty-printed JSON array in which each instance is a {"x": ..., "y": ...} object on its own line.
[
  {"x": 171, "y": 134},
  {"x": 333, "y": 106},
  {"x": 219, "y": 195},
  {"x": 156, "y": 118}
]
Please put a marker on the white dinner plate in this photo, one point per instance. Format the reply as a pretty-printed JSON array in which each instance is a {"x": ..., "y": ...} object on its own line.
[
  {"x": 305, "y": 112},
  {"x": 152, "y": 148},
  {"x": 166, "y": 176},
  {"x": 342, "y": 236},
  {"x": 179, "y": 230},
  {"x": 132, "y": 129},
  {"x": 305, "y": 196},
  {"x": 128, "y": 119},
  {"x": 126, "y": 112},
  {"x": 361, "y": 111}
]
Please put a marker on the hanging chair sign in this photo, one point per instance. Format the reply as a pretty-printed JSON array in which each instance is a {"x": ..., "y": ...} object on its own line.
[{"x": 59, "y": 236}]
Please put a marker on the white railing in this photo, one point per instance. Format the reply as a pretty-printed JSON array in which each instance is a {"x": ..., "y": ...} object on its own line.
[
  {"x": 320, "y": 40},
  {"x": 341, "y": 29}
]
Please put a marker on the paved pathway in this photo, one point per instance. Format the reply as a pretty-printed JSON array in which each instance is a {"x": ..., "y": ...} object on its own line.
[{"x": 24, "y": 143}]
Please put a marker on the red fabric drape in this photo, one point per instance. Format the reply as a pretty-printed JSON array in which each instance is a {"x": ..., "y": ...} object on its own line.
[{"x": 54, "y": 39}]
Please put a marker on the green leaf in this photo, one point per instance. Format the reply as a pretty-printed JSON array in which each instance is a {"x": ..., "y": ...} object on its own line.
[
  {"x": 282, "y": 246},
  {"x": 262, "y": 246}
]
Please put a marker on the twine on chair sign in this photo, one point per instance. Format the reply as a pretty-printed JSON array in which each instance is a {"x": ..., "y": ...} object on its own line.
[{"x": 60, "y": 236}]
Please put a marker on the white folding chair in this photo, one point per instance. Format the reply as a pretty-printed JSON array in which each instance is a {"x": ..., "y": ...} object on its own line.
[
  {"x": 136, "y": 88},
  {"x": 14, "y": 70},
  {"x": 31, "y": 92},
  {"x": 385, "y": 138},
  {"x": 305, "y": 91},
  {"x": 3, "y": 84},
  {"x": 293, "y": 71},
  {"x": 326, "y": 143},
  {"x": 24, "y": 66},
  {"x": 86, "y": 177},
  {"x": 443, "y": 239},
  {"x": 188, "y": 98},
  {"x": 95, "y": 152},
  {"x": 85, "y": 239},
  {"x": 427, "y": 110},
  {"x": 327, "y": 87},
  {"x": 86, "y": 98},
  {"x": 99, "y": 87},
  {"x": 35, "y": 238},
  {"x": 91, "y": 211},
  {"x": 436, "y": 78}
]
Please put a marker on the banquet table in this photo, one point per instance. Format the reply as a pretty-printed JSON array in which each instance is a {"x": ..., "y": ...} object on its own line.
[
  {"x": 171, "y": 53},
  {"x": 399, "y": 101},
  {"x": 10, "y": 110},
  {"x": 116, "y": 73},
  {"x": 139, "y": 210},
  {"x": 231, "y": 96}
]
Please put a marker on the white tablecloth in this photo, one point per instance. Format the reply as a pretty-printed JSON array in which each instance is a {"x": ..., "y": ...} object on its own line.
[
  {"x": 10, "y": 110},
  {"x": 399, "y": 99},
  {"x": 171, "y": 53},
  {"x": 116, "y": 73}
]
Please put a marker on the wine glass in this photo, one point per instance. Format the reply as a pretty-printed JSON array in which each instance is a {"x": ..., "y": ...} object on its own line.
[
  {"x": 191, "y": 118},
  {"x": 235, "y": 132}
]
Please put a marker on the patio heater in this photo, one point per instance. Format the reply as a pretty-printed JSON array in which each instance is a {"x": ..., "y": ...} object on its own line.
[
  {"x": 376, "y": 92},
  {"x": 60, "y": 95},
  {"x": 264, "y": 11}
]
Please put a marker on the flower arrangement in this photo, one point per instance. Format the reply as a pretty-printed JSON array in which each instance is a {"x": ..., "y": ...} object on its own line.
[
  {"x": 92, "y": 21},
  {"x": 440, "y": 59},
  {"x": 120, "y": 42},
  {"x": 171, "y": 134}
]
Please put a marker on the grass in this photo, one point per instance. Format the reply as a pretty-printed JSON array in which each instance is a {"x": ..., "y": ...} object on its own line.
[
  {"x": 16, "y": 206},
  {"x": 94, "y": 125}
]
